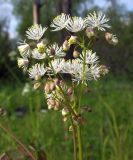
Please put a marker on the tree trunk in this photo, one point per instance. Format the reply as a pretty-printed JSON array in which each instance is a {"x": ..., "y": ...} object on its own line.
[
  {"x": 36, "y": 11},
  {"x": 67, "y": 6}
]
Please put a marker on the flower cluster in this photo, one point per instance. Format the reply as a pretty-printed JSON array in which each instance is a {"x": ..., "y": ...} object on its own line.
[
  {"x": 76, "y": 24},
  {"x": 49, "y": 65}
]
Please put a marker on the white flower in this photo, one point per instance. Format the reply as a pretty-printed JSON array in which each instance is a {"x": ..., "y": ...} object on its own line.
[
  {"x": 95, "y": 71},
  {"x": 23, "y": 62},
  {"x": 55, "y": 50},
  {"x": 35, "y": 32},
  {"x": 37, "y": 55},
  {"x": 80, "y": 74},
  {"x": 37, "y": 71},
  {"x": 41, "y": 47},
  {"x": 24, "y": 49},
  {"x": 60, "y": 22},
  {"x": 90, "y": 58},
  {"x": 72, "y": 40},
  {"x": 75, "y": 24},
  {"x": 97, "y": 20},
  {"x": 57, "y": 65}
]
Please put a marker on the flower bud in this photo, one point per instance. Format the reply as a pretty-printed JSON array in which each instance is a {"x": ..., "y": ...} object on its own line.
[
  {"x": 66, "y": 45},
  {"x": 65, "y": 111},
  {"x": 103, "y": 69},
  {"x": 65, "y": 119},
  {"x": 57, "y": 105},
  {"x": 69, "y": 91},
  {"x": 72, "y": 40},
  {"x": 52, "y": 86},
  {"x": 56, "y": 81},
  {"x": 111, "y": 39},
  {"x": 108, "y": 36},
  {"x": 41, "y": 47},
  {"x": 114, "y": 40},
  {"x": 70, "y": 128},
  {"x": 90, "y": 32},
  {"x": 47, "y": 88},
  {"x": 52, "y": 102},
  {"x": 76, "y": 54},
  {"x": 52, "y": 51},
  {"x": 37, "y": 85}
]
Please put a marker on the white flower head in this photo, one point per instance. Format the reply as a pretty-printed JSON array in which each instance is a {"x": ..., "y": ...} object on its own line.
[
  {"x": 35, "y": 32},
  {"x": 56, "y": 51},
  {"x": 75, "y": 24},
  {"x": 41, "y": 46},
  {"x": 23, "y": 63},
  {"x": 80, "y": 74},
  {"x": 37, "y": 55},
  {"x": 95, "y": 71},
  {"x": 37, "y": 71},
  {"x": 24, "y": 49},
  {"x": 91, "y": 58},
  {"x": 57, "y": 65},
  {"x": 72, "y": 40},
  {"x": 60, "y": 22},
  {"x": 97, "y": 20}
]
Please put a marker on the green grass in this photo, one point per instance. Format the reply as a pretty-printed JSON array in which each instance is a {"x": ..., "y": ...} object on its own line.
[{"x": 107, "y": 134}]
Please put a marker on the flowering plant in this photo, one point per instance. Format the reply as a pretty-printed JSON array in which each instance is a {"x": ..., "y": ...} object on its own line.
[{"x": 50, "y": 65}]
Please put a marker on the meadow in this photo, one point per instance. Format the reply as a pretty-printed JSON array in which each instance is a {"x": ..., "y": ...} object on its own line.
[{"x": 107, "y": 133}]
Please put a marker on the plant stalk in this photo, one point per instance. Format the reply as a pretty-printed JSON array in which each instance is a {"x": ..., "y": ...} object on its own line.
[
  {"x": 74, "y": 139},
  {"x": 80, "y": 143}
]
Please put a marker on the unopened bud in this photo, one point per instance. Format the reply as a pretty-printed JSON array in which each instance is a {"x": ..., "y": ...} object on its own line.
[
  {"x": 66, "y": 45},
  {"x": 70, "y": 91},
  {"x": 65, "y": 111},
  {"x": 47, "y": 88},
  {"x": 111, "y": 39},
  {"x": 57, "y": 103},
  {"x": 114, "y": 40},
  {"x": 52, "y": 86},
  {"x": 37, "y": 85},
  {"x": 72, "y": 40},
  {"x": 76, "y": 54},
  {"x": 103, "y": 69},
  {"x": 108, "y": 36},
  {"x": 65, "y": 119},
  {"x": 56, "y": 81},
  {"x": 90, "y": 32},
  {"x": 52, "y": 51},
  {"x": 52, "y": 102},
  {"x": 70, "y": 128}
]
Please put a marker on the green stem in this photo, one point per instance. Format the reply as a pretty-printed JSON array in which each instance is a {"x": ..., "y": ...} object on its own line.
[
  {"x": 74, "y": 139},
  {"x": 80, "y": 143}
]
